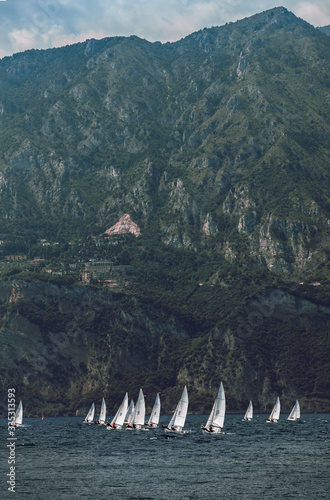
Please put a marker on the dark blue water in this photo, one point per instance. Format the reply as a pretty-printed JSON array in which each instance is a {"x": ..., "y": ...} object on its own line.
[{"x": 62, "y": 458}]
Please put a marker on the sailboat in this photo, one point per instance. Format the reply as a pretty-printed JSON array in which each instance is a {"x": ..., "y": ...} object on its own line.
[
  {"x": 42, "y": 415},
  {"x": 249, "y": 412},
  {"x": 90, "y": 415},
  {"x": 103, "y": 412},
  {"x": 137, "y": 420},
  {"x": 18, "y": 420},
  {"x": 118, "y": 420},
  {"x": 275, "y": 414},
  {"x": 295, "y": 412},
  {"x": 216, "y": 419},
  {"x": 178, "y": 419},
  {"x": 130, "y": 413},
  {"x": 155, "y": 414}
]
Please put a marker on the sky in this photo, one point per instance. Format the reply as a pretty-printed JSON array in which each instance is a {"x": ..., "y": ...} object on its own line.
[{"x": 41, "y": 24}]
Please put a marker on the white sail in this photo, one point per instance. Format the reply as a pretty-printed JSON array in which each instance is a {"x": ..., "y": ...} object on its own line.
[
  {"x": 170, "y": 425},
  {"x": 90, "y": 415},
  {"x": 130, "y": 413},
  {"x": 217, "y": 416},
  {"x": 220, "y": 409},
  {"x": 103, "y": 412},
  {"x": 179, "y": 416},
  {"x": 209, "y": 420},
  {"x": 155, "y": 414},
  {"x": 275, "y": 414},
  {"x": 140, "y": 411},
  {"x": 119, "y": 418},
  {"x": 295, "y": 412},
  {"x": 19, "y": 415},
  {"x": 249, "y": 412}
]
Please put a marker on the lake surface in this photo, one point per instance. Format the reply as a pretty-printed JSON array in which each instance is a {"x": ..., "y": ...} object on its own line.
[{"x": 63, "y": 458}]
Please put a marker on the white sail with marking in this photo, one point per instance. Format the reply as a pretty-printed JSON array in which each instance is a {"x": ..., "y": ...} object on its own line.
[
  {"x": 275, "y": 414},
  {"x": 179, "y": 416},
  {"x": 295, "y": 412},
  {"x": 155, "y": 414},
  {"x": 103, "y": 412},
  {"x": 90, "y": 415},
  {"x": 119, "y": 418},
  {"x": 249, "y": 412},
  {"x": 216, "y": 418}
]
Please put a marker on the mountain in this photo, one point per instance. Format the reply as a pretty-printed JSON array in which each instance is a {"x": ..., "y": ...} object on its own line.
[
  {"x": 213, "y": 153},
  {"x": 325, "y": 29}
]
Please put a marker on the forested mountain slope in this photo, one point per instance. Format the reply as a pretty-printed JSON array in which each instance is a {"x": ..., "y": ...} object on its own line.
[{"x": 217, "y": 146}]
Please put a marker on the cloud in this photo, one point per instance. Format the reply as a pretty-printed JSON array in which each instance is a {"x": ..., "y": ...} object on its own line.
[
  {"x": 317, "y": 15},
  {"x": 157, "y": 20},
  {"x": 22, "y": 39},
  {"x": 51, "y": 23},
  {"x": 28, "y": 24}
]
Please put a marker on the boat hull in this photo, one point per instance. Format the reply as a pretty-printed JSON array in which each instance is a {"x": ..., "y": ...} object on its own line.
[
  {"x": 214, "y": 430},
  {"x": 176, "y": 431}
]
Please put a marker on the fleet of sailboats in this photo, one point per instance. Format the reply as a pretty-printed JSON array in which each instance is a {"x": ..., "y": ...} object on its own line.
[
  {"x": 178, "y": 419},
  {"x": 275, "y": 413},
  {"x": 216, "y": 419},
  {"x": 134, "y": 415},
  {"x": 295, "y": 412}
]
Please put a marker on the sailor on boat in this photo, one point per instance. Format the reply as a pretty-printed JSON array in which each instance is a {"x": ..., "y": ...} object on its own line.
[
  {"x": 207, "y": 429},
  {"x": 172, "y": 428}
]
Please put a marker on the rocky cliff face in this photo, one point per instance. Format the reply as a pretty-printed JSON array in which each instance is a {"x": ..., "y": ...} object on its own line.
[
  {"x": 125, "y": 225},
  {"x": 64, "y": 347},
  {"x": 267, "y": 350}
]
